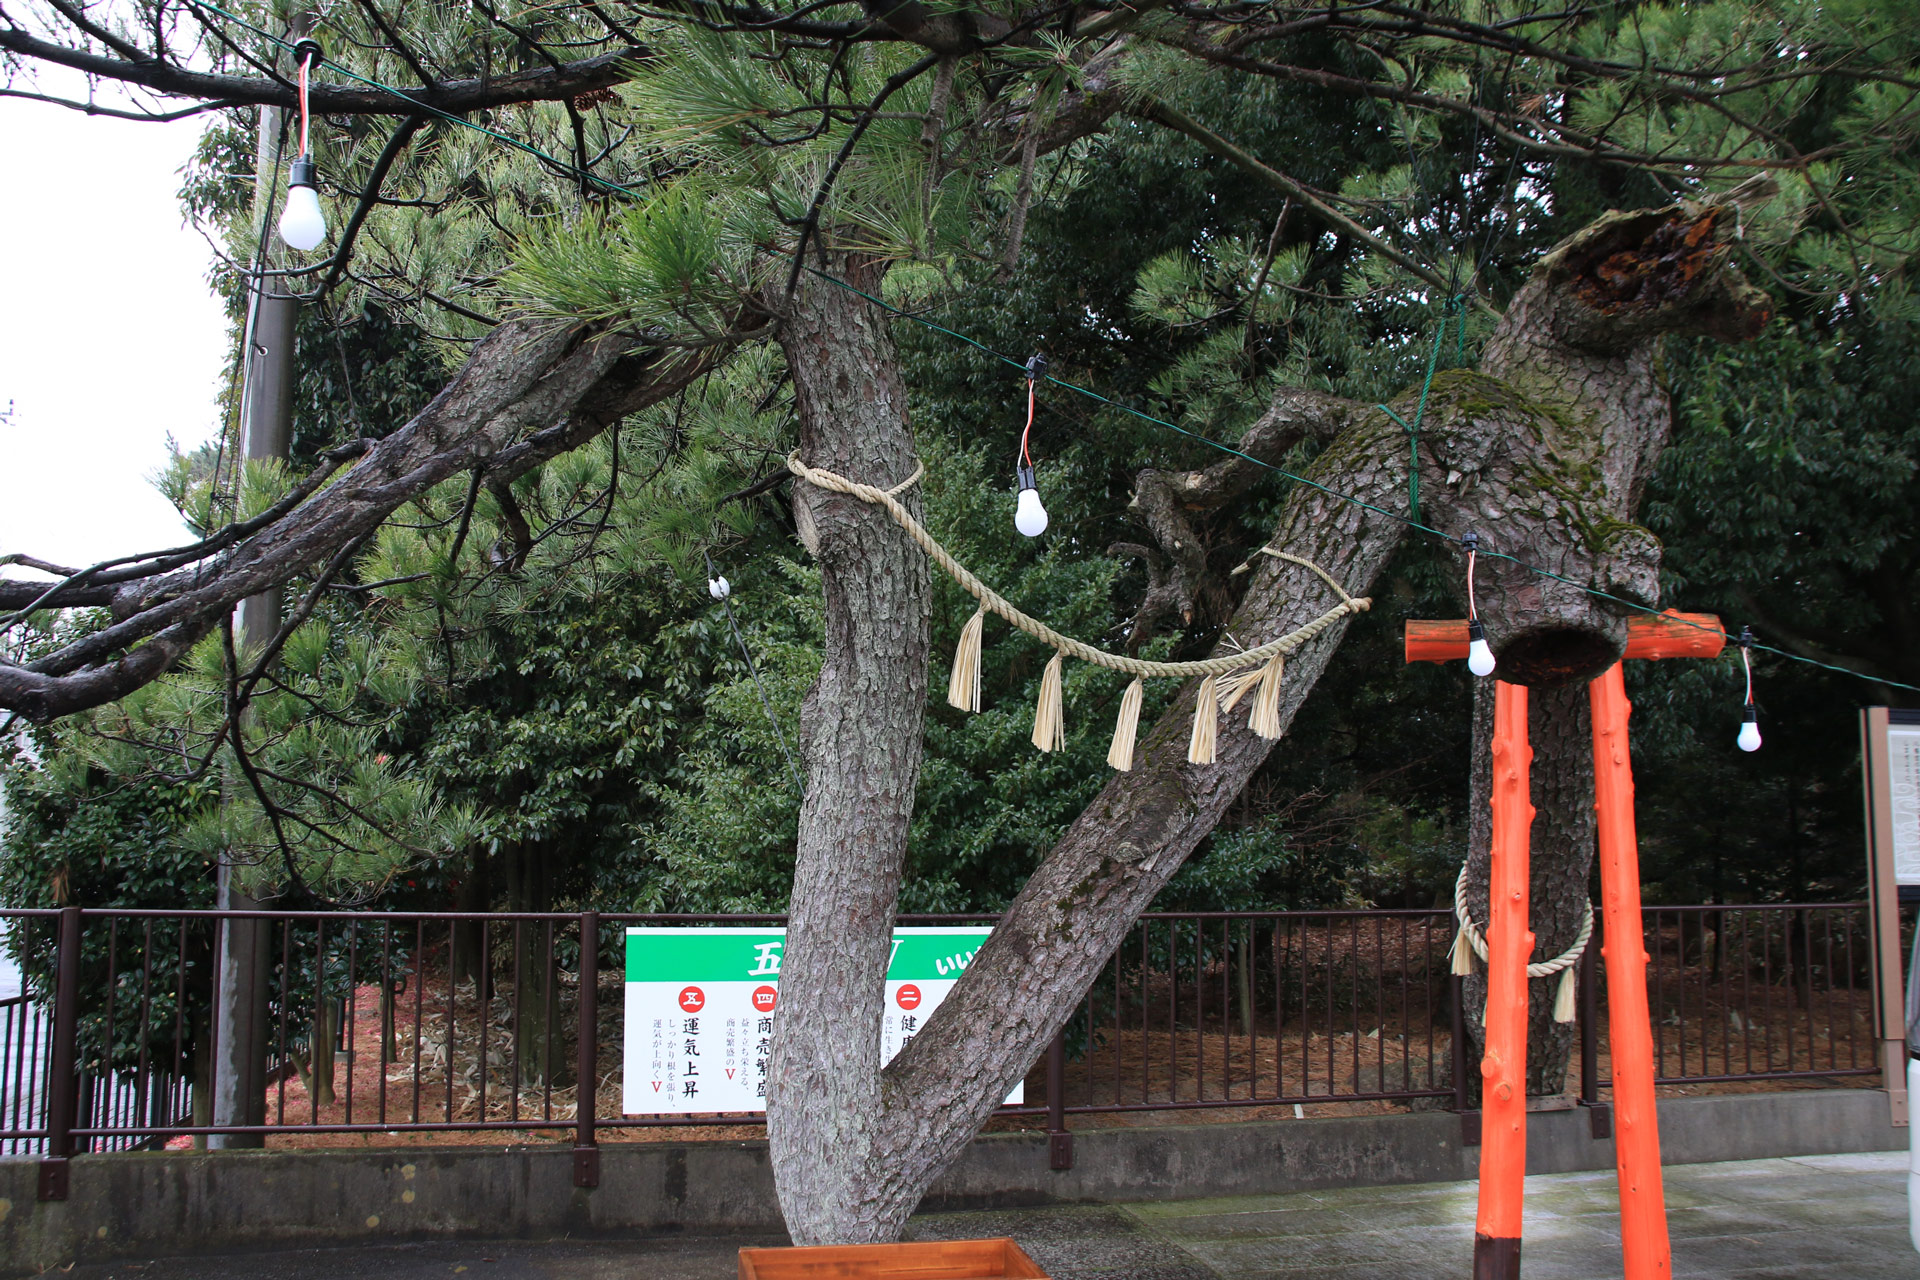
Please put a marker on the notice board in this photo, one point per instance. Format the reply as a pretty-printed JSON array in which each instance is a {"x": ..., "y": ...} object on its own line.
[{"x": 701, "y": 1004}]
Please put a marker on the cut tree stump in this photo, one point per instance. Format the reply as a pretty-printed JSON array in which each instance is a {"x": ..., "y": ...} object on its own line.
[{"x": 928, "y": 1260}]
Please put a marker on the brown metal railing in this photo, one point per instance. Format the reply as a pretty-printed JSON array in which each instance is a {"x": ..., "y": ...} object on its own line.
[{"x": 407, "y": 1024}]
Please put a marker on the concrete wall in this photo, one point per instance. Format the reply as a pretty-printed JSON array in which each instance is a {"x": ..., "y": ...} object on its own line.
[{"x": 180, "y": 1202}]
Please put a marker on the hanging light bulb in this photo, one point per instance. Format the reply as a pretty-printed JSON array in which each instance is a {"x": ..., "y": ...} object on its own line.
[
  {"x": 1749, "y": 739},
  {"x": 1479, "y": 652},
  {"x": 303, "y": 226},
  {"x": 1029, "y": 517}
]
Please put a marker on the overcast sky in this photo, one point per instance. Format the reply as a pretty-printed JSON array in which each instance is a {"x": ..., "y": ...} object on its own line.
[{"x": 109, "y": 336}]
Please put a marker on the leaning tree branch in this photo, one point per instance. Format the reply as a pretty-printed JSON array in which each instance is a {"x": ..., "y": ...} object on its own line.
[
  {"x": 93, "y": 585},
  {"x": 95, "y": 109},
  {"x": 1166, "y": 501},
  {"x": 454, "y": 97},
  {"x": 500, "y": 411}
]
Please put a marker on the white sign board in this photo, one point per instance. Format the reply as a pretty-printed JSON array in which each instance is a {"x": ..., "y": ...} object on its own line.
[
  {"x": 1903, "y": 794},
  {"x": 700, "y": 1005}
]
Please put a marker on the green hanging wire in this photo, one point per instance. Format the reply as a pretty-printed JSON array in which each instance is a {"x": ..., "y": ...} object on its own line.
[{"x": 1455, "y": 312}]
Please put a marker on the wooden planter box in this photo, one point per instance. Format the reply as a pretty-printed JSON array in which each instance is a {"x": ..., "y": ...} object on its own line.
[{"x": 931, "y": 1260}]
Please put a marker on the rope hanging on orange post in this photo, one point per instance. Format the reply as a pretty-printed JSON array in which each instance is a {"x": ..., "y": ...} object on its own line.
[{"x": 1503, "y": 1067}]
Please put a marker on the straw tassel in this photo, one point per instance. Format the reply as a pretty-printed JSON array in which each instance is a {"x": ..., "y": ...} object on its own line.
[
  {"x": 1206, "y": 709},
  {"x": 1120, "y": 754},
  {"x": 1049, "y": 725},
  {"x": 963, "y": 686},
  {"x": 1563, "y": 998},
  {"x": 1462, "y": 953},
  {"x": 1265, "y": 720}
]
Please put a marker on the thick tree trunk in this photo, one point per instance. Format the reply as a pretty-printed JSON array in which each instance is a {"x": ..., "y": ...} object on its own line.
[
  {"x": 1559, "y": 725},
  {"x": 1547, "y": 464},
  {"x": 860, "y": 731},
  {"x": 1575, "y": 342}
]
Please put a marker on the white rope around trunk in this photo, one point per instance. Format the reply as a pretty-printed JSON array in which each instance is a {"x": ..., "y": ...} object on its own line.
[{"x": 1469, "y": 936}]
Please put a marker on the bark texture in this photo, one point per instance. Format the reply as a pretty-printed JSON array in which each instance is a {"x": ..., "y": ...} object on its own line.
[
  {"x": 1546, "y": 462},
  {"x": 1584, "y": 338},
  {"x": 1559, "y": 727},
  {"x": 860, "y": 733}
]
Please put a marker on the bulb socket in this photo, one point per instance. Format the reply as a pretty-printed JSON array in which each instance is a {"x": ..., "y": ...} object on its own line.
[
  {"x": 1749, "y": 715},
  {"x": 300, "y": 172},
  {"x": 1024, "y": 474},
  {"x": 1475, "y": 631}
]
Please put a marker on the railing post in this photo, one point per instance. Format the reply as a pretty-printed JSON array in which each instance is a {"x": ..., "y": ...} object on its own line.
[
  {"x": 586, "y": 1151},
  {"x": 1059, "y": 1141},
  {"x": 1457, "y": 1052},
  {"x": 63, "y": 1074},
  {"x": 1599, "y": 1114}
]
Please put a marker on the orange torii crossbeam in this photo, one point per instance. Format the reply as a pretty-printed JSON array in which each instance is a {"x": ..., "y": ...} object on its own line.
[{"x": 1643, "y": 1215}]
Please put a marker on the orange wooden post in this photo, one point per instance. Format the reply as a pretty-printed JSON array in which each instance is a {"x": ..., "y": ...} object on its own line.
[
  {"x": 1503, "y": 1067},
  {"x": 1643, "y": 1209}
]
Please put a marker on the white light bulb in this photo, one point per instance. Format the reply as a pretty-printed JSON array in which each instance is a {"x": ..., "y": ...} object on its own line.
[
  {"x": 1749, "y": 738},
  {"x": 303, "y": 226},
  {"x": 1029, "y": 517},
  {"x": 1479, "y": 652},
  {"x": 719, "y": 588}
]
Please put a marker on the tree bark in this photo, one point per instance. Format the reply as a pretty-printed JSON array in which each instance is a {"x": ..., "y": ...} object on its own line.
[
  {"x": 860, "y": 734},
  {"x": 1550, "y": 460},
  {"x": 1560, "y": 729},
  {"x": 1584, "y": 337}
]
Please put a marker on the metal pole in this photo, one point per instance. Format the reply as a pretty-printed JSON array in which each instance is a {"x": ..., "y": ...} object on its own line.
[
  {"x": 1457, "y": 1055},
  {"x": 1599, "y": 1114},
  {"x": 266, "y": 426},
  {"x": 1059, "y": 1141},
  {"x": 1503, "y": 1067},
  {"x": 1643, "y": 1211},
  {"x": 63, "y": 1070},
  {"x": 586, "y": 1149}
]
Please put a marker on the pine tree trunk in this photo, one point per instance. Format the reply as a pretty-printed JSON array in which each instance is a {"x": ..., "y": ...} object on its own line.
[
  {"x": 1543, "y": 451},
  {"x": 1560, "y": 728},
  {"x": 860, "y": 731}
]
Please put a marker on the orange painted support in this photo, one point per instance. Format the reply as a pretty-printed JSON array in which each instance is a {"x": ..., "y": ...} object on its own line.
[
  {"x": 1643, "y": 1209},
  {"x": 1670, "y": 635},
  {"x": 1503, "y": 1067}
]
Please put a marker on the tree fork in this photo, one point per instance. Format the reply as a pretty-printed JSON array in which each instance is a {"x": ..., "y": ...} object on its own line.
[{"x": 1588, "y": 416}]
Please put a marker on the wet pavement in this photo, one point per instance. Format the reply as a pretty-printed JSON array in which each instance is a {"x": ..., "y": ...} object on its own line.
[{"x": 1789, "y": 1219}]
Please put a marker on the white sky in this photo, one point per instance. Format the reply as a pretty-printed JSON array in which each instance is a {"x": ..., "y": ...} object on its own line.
[{"x": 109, "y": 335}]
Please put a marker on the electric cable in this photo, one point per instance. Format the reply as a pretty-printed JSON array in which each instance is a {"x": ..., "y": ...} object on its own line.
[{"x": 415, "y": 104}]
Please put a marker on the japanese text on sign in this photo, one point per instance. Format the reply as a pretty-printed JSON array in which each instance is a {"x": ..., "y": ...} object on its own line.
[{"x": 701, "y": 1003}]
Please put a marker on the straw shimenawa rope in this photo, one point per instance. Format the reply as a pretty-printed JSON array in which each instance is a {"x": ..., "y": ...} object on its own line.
[
  {"x": 963, "y": 689},
  {"x": 1562, "y": 964}
]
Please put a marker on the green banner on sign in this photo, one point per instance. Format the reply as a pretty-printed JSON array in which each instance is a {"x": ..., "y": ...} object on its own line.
[{"x": 753, "y": 955}]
